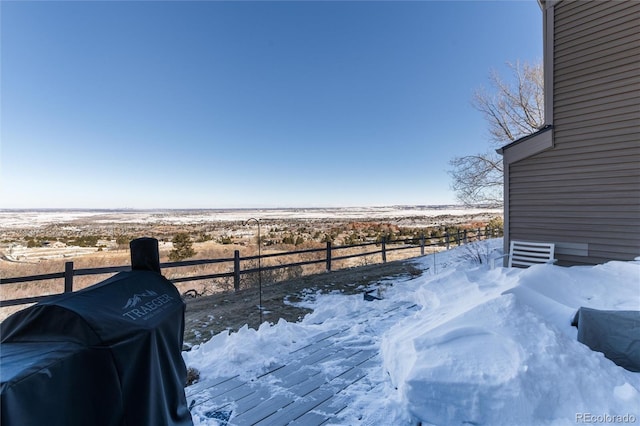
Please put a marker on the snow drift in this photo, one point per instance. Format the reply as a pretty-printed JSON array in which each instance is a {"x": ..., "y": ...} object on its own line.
[{"x": 485, "y": 346}]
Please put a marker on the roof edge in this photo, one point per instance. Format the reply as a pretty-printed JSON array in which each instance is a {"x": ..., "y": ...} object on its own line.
[{"x": 524, "y": 139}]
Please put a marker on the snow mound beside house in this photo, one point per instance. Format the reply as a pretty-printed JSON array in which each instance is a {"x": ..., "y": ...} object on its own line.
[{"x": 497, "y": 347}]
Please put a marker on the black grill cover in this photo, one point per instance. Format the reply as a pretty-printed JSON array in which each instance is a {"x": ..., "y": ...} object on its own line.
[{"x": 106, "y": 355}]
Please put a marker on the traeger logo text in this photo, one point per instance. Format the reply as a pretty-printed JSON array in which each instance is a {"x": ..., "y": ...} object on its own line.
[{"x": 145, "y": 310}]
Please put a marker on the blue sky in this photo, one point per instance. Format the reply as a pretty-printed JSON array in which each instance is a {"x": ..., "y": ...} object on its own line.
[{"x": 212, "y": 104}]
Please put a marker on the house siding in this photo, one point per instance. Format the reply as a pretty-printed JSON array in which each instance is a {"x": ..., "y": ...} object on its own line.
[{"x": 584, "y": 193}]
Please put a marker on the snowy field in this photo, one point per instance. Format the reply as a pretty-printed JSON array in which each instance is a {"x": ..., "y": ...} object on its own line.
[
  {"x": 11, "y": 219},
  {"x": 484, "y": 347}
]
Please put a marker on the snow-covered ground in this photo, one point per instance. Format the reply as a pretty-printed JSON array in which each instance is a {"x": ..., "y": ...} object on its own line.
[
  {"x": 12, "y": 219},
  {"x": 491, "y": 347}
]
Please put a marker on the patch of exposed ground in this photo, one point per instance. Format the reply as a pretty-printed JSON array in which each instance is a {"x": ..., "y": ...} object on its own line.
[{"x": 209, "y": 315}]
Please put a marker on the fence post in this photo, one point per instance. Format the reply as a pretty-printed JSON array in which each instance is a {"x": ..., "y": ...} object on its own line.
[
  {"x": 68, "y": 277},
  {"x": 236, "y": 270},
  {"x": 328, "y": 256},
  {"x": 384, "y": 249},
  {"x": 458, "y": 240},
  {"x": 466, "y": 237},
  {"x": 446, "y": 236},
  {"x": 422, "y": 245},
  {"x": 478, "y": 235}
]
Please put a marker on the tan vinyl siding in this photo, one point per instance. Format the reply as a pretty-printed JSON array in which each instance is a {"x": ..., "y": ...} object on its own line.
[{"x": 587, "y": 188}]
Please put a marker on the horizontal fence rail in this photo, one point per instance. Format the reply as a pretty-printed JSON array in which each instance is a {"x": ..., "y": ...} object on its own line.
[{"x": 459, "y": 238}]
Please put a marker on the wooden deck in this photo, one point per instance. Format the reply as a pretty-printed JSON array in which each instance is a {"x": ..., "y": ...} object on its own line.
[{"x": 307, "y": 389}]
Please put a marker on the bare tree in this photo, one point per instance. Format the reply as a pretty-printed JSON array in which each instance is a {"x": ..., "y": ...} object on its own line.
[
  {"x": 512, "y": 109},
  {"x": 477, "y": 179}
]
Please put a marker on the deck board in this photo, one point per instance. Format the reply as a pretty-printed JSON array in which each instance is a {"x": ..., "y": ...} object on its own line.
[
  {"x": 263, "y": 410},
  {"x": 296, "y": 409},
  {"x": 206, "y": 384},
  {"x": 309, "y": 387},
  {"x": 216, "y": 390}
]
